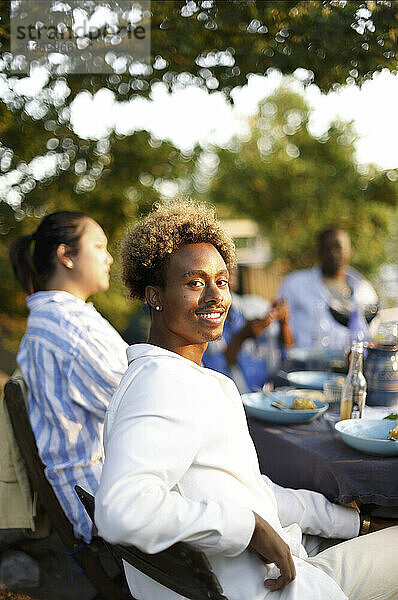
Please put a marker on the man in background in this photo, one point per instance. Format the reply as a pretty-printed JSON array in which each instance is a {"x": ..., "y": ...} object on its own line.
[{"x": 326, "y": 300}]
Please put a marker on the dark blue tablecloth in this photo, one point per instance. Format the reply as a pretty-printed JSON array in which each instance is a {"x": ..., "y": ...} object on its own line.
[{"x": 314, "y": 457}]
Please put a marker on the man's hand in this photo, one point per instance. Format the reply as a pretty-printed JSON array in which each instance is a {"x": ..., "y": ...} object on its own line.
[
  {"x": 280, "y": 311},
  {"x": 271, "y": 548},
  {"x": 255, "y": 327}
]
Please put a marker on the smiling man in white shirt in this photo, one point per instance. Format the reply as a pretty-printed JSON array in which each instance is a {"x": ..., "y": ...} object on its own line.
[{"x": 180, "y": 464}]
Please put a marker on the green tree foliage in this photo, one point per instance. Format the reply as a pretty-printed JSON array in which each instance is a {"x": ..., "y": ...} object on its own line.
[
  {"x": 113, "y": 189},
  {"x": 216, "y": 44},
  {"x": 293, "y": 185},
  {"x": 228, "y": 39},
  {"x": 334, "y": 40}
]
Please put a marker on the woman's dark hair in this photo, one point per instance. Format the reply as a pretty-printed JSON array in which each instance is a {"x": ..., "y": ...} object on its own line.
[{"x": 33, "y": 269}]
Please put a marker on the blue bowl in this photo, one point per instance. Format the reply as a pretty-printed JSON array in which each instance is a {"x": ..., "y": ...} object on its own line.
[
  {"x": 259, "y": 405},
  {"x": 313, "y": 380},
  {"x": 368, "y": 436},
  {"x": 304, "y": 357}
]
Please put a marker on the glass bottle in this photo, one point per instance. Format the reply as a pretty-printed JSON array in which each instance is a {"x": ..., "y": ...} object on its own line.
[
  {"x": 354, "y": 389},
  {"x": 320, "y": 338},
  {"x": 320, "y": 333},
  {"x": 358, "y": 328}
]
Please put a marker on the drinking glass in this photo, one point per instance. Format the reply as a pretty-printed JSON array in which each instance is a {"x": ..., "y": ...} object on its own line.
[{"x": 333, "y": 391}]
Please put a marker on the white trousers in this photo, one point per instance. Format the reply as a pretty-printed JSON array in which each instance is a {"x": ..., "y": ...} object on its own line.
[{"x": 366, "y": 567}]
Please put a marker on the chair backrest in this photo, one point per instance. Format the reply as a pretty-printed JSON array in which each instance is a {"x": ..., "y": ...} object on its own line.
[
  {"x": 180, "y": 568},
  {"x": 25, "y": 439}
]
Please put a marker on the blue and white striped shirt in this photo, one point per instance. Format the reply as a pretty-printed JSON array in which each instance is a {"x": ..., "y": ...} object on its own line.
[{"x": 72, "y": 360}]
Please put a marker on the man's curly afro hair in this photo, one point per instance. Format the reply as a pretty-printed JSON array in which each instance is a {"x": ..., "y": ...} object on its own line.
[{"x": 146, "y": 248}]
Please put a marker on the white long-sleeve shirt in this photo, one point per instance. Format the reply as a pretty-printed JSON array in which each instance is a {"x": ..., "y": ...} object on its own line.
[
  {"x": 308, "y": 298},
  {"x": 180, "y": 466}
]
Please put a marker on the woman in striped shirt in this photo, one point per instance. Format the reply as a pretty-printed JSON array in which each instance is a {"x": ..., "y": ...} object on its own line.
[{"x": 71, "y": 357}]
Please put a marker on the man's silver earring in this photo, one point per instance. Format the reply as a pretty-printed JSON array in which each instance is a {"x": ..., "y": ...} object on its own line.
[{"x": 157, "y": 307}]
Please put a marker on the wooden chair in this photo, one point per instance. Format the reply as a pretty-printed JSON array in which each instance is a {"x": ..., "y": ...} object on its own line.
[
  {"x": 84, "y": 554},
  {"x": 180, "y": 568}
]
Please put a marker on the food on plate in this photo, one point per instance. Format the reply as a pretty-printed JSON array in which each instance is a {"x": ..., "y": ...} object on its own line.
[
  {"x": 302, "y": 403},
  {"x": 394, "y": 433},
  {"x": 392, "y": 416}
]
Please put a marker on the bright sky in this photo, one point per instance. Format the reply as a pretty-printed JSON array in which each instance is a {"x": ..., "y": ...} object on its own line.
[{"x": 192, "y": 115}]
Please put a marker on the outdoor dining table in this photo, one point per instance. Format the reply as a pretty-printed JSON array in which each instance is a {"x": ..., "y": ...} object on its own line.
[{"x": 312, "y": 456}]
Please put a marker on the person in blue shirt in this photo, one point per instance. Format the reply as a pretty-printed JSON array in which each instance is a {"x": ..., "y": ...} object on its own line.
[
  {"x": 71, "y": 358},
  {"x": 254, "y": 336},
  {"x": 331, "y": 302}
]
